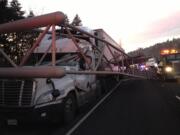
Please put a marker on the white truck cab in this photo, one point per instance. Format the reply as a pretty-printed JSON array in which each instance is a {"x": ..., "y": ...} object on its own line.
[{"x": 50, "y": 97}]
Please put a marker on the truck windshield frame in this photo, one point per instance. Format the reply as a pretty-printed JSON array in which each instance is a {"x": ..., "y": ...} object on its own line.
[{"x": 60, "y": 57}]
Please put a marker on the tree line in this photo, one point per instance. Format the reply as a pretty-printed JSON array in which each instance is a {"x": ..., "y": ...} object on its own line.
[{"x": 154, "y": 50}]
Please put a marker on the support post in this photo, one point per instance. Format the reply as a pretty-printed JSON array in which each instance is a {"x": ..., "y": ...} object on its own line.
[{"x": 7, "y": 58}]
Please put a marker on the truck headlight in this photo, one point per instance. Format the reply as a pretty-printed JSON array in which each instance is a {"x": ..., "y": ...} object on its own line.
[
  {"x": 44, "y": 98},
  {"x": 168, "y": 69}
]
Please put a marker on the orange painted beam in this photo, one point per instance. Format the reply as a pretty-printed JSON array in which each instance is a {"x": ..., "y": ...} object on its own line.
[{"x": 55, "y": 18}]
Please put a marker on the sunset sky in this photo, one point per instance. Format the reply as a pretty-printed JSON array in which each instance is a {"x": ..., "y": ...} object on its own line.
[{"x": 133, "y": 23}]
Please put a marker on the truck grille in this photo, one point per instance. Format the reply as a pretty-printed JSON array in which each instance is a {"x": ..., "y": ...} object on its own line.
[{"x": 16, "y": 93}]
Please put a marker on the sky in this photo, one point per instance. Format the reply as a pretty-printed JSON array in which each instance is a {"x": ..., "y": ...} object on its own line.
[{"x": 132, "y": 23}]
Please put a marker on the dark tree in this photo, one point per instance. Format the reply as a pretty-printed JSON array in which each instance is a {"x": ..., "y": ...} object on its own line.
[
  {"x": 66, "y": 19},
  {"x": 77, "y": 21},
  {"x": 15, "y": 44},
  {"x": 4, "y": 11},
  {"x": 17, "y": 13},
  {"x": 31, "y": 14}
]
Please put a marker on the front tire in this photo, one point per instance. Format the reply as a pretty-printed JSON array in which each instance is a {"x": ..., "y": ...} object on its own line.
[{"x": 70, "y": 108}]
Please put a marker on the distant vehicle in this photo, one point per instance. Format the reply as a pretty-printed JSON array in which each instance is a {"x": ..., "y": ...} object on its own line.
[
  {"x": 169, "y": 65},
  {"x": 143, "y": 67},
  {"x": 151, "y": 62}
]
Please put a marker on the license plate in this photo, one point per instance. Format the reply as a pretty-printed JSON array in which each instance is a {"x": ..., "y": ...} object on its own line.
[{"x": 12, "y": 122}]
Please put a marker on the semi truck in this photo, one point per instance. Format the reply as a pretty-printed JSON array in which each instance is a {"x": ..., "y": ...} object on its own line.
[
  {"x": 151, "y": 62},
  {"x": 169, "y": 64},
  {"x": 56, "y": 99}
]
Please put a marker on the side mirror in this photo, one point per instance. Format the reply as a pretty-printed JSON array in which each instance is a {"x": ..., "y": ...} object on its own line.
[
  {"x": 48, "y": 80},
  {"x": 55, "y": 93}
]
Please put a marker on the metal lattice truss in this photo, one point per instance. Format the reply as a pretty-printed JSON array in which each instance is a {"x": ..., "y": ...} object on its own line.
[{"x": 119, "y": 58}]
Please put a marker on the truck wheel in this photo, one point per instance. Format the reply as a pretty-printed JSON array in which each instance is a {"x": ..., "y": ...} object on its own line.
[{"x": 70, "y": 108}]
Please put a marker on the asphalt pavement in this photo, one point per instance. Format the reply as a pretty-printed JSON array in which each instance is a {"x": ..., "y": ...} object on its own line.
[{"x": 136, "y": 107}]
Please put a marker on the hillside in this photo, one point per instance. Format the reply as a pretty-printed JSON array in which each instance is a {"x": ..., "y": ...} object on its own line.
[{"x": 153, "y": 51}]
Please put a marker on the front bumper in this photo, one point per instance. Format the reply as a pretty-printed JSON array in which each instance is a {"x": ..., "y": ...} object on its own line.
[
  {"x": 172, "y": 76},
  {"x": 18, "y": 115},
  {"x": 177, "y": 75}
]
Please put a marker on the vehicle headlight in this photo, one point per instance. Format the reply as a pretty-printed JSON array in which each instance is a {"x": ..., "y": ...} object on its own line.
[
  {"x": 168, "y": 69},
  {"x": 44, "y": 98},
  {"x": 146, "y": 68},
  {"x": 155, "y": 64}
]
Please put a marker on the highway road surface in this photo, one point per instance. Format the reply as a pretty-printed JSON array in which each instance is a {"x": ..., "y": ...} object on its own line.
[{"x": 135, "y": 107}]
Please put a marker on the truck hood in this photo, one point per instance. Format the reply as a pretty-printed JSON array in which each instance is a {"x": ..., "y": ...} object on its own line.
[{"x": 63, "y": 84}]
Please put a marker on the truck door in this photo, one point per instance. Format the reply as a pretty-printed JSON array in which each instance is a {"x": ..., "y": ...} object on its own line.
[{"x": 86, "y": 84}]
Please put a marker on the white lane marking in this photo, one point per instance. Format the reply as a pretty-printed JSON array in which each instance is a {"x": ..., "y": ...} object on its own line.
[
  {"x": 91, "y": 111},
  {"x": 178, "y": 97}
]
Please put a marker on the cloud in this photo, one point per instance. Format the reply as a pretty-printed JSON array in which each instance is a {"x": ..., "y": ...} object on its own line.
[
  {"x": 165, "y": 27},
  {"x": 158, "y": 31}
]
